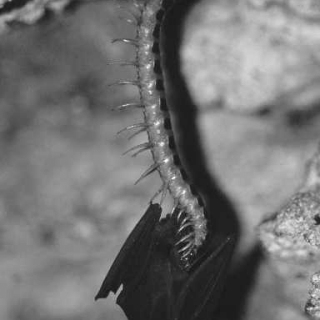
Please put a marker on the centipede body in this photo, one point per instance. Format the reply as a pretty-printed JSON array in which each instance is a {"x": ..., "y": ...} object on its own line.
[{"x": 191, "y": 218}]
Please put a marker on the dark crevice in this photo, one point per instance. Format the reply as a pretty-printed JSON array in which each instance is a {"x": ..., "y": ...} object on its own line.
[
  {"x": 220, "y": 211},
  {"x": 239, "y": 285},
  {"x": 221, "y": 214}
]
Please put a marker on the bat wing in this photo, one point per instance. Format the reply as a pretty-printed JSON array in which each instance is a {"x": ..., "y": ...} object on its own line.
[
  {"x": 200, "y": 294},
  {"x": 153, "y": 297},
  {"x": 154, "y": 285},
  {"x": 133, "y": 257}
]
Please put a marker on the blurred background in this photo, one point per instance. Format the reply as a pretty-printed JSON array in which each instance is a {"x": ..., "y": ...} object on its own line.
[{"x": 67, "y": 199}]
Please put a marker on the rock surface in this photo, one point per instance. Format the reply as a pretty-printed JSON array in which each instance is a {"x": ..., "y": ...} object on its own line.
[{"x": 67, "y": 199}]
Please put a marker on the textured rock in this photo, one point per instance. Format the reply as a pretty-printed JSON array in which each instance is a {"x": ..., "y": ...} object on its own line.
[
  {"x": 67, "y": 198},
  {"x": 27, "y": 11},
  {"x": 247, "y": 56}
]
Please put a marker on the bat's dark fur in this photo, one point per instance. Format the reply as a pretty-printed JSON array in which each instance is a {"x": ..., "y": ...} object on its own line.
[{"x": 155, "y": 286}]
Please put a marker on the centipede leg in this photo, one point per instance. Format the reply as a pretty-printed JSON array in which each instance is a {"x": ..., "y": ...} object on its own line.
[
  {"x": 143, "y": 147},
  {"x": 150, "y": 170},
  {"x": 133, "y": 126},
  {"x": 127, "y": 106},
  {"x": 163, "y": 191}
]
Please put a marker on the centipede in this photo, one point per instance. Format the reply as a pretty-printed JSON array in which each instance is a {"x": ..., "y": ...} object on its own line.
[{"x": 148, "y": 16}]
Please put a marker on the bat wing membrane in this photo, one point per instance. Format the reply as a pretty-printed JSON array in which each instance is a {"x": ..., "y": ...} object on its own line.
[
  {"x": 201, "y": 293},
  {"x": 134, "y": 254}
]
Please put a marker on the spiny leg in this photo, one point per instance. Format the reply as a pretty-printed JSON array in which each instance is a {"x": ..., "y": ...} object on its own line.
[
  {"x": 164, "y": 193},
  {"x": 121, "y": 63},
  {"x": 142, "y": 147},
  {"x": 133, "y": 126},
  {"x": 124, "y": 82},
  {"x": 126, "y": 106},
  {"x": 150, "y": 170},
  {"x": 136, "y": 133},
  {"x": 130, "y": 41},
  {"x": 163, "y": 190}
]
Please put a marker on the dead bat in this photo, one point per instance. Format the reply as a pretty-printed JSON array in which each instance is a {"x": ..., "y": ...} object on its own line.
[{"x": 155, "y": 285}]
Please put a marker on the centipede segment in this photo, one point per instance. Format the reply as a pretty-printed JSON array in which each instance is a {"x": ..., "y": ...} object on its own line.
[{"x": 191, "y": 233}]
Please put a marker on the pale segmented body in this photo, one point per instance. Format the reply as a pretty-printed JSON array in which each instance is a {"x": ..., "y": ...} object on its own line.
[{"x": 192, "y": 222}]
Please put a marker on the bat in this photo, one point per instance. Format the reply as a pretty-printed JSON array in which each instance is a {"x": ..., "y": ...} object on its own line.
[{"x": 155, "y": 285}]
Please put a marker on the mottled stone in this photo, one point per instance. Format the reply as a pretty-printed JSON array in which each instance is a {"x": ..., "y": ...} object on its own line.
[
  {"x": 248, "y": 56},
  {"x": 67, "y": 198}
]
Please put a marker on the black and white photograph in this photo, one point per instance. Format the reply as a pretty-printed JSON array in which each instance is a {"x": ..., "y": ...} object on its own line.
[{"x": 159, "y": 159}]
